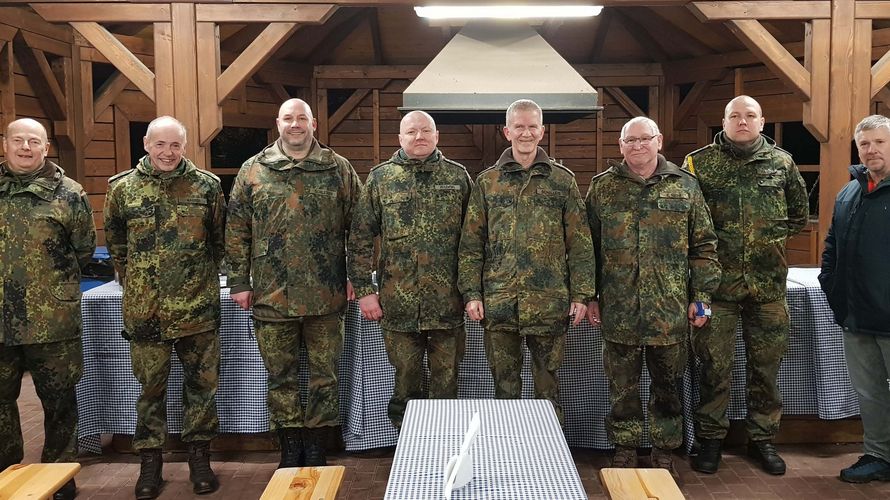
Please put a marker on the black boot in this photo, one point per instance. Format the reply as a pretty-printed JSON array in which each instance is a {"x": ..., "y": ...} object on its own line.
[
  {"x": 67, "y": 492},
  {"x": 765, "y": 453},
  {"x": 291, "y": 448},
  {"x": 200, "y": 474},
  {"x": 314, "y": 448},
  {"x": 148, "y": 485},
  {"x": 708, "y": 458}
]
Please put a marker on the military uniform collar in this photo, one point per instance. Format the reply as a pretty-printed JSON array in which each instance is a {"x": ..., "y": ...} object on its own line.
[
  {"x": 663, "y": 168},
  {"x": 275, "y": 158},
  {"x": 428, "y": 164},
  {"x": 762, "y": 149},
  {"x": 43, "y": 185},
  {"x": 145, "y": 167},
  {"x": 540, "y": 165}
]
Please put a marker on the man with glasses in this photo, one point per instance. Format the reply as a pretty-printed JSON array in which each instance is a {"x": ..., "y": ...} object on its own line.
[
  {"x": 415, "y": 202},
  {"x": 656, "y": 269},
  {"x": 526, "y": 259},
  {"x": 47, "y": 236},
  {"x": 757, "y": 200}
]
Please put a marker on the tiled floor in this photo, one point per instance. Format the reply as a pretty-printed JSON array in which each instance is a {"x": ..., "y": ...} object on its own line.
[{"x": 812, "y": 471}]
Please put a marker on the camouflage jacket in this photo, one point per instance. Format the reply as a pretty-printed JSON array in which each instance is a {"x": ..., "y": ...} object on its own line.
[
  {"x": 47, "y": 236},
  {"x": 758, "y": 200},
  {"x": 526, "y": 245},
  {"x": 286, "y": 232},
  {"x": 417, "y": 207},
  {"x": 164, "y": 231},
  {"x": 655, "y": 252}
]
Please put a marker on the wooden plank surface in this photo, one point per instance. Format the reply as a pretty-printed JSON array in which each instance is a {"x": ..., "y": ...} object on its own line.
[
  {"x": 23, "y": 481},
  {"x": 639, "y": 484},
  {"x": 305, "y": 483}
]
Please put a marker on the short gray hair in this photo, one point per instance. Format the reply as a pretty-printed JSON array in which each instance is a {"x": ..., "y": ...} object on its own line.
[
  {"x": 165, "y": 120},
  {"x": 641, "y": 119},
  {"x": 523, "y": 105},
  {"x": 870, "y": 123}
]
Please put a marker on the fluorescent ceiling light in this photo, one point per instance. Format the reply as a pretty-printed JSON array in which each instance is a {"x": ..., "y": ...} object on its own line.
[{"x": 506, "y": 11}]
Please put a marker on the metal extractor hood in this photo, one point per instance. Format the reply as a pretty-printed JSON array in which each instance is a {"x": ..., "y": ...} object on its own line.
[{"x": 487, "y": 66}]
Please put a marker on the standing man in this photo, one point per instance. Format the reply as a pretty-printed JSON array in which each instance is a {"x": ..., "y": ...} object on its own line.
[
  {"x": 164, "y": 223},
  {"x": 856, "y": 279},
  {"x": 416, "y": 203},
  {"x": 47, "y": 236},
  {"x": 757, "y": 200},
  {"x": 656, "y": 256},
  {"x": 526, "y": 259},
  {"x": 289, "y": 216}
]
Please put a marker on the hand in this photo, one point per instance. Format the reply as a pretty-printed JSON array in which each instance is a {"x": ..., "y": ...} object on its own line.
[
  {"x": 593, "y": 313},
  {"x": 475, "y": 310},
  {"x": 350, "y": 292},
  {"x": 696, "y": 321},
  {"x": 243, "y": 299},
  {"x": 579, "y": 310},
  {"x": 370, "y": 307}
]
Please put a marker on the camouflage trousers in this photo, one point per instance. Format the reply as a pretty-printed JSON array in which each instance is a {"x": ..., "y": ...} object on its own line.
[
  {"x": 623, "y": 365},
  {"x": 279, "y": 344},
  {"x": 55, "y": 370},
  {"x": 765, "y": 331},
  {"x": 199, "y": 355},
  {"x": 444, "y": 350},
  {"x": 503, "y": 349}
]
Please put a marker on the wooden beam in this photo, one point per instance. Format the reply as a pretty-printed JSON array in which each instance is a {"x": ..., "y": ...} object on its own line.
[
  {"x": 346, "y": 108},
  {"x": 46, "y": 44},
  {"x": 375, "y": 124},
  {"x": 724, "y": 11},
  {"x": 327, "y": 44},
  {"x": 873, "y": 9},
  {"x": 119, "y": 56},
  {"x": 691, "y": 102},
  {"x": 376, "y": 43},
  {"x": 210, "y": 120},
  {"x": 681, "y": 70},
  {"x": 254, "y": 56},
  {"x": 738, "y": 81},
  {"x": 24, "y": 19},
  {"x": 163, "y": 41},
  {"x": 42, "y": 78},
  {"x": 640, "y": 34},
  {"x": 880, "y": 73},
  {"x": 599, "y": 137},
  {"x": 362, "y": 72},
  {"x": 7, "y": 32},
  {"x": 83, "y": 95},
  {"x": 704, "y": 33},
  {"x": 121, "y": 140},
  {"x": 108, "y": 92},
  {"x": 321, "y": 114},
  {"x": 773, "y": 55},
  {"x": 602, "y": 28},
  {"x": 818, "y": 44},
  {"x": 104, "y": 13},
  {"x": 185, "y": 77},
  {"x": 239, "y": 13},
  {"x": 625, "y": 102},
  {"x": 861, "y": 75},
  {"x": 7, "y": 86}
]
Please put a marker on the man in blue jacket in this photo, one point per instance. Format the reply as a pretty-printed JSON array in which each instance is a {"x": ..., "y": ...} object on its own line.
[{"x": 856, "y": 278}]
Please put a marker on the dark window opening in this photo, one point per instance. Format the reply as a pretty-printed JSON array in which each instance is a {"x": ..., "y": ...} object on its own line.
[
  {"x": 101, "y": 73},
  {"x": 233, "y": 145},
  {"x": 336, "y": 98},
  {"x": 137, "y": 148},
  {"x": 685, "y": 88},
  {"x": 798, "y": 141},
  {"x": 639, "y": 95}
]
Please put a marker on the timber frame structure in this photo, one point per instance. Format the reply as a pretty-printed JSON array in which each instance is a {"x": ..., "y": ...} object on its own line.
[{"x": 183, "y": 65}]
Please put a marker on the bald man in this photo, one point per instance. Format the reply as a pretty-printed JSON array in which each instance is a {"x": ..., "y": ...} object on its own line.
[
  {"x": 415, "y": 202},
  {"x": 47, "y": 236},
  {"x": 164, "y": 224},
  {"x": 757, "y": 200},
  {"x": 289, "y": 214}
]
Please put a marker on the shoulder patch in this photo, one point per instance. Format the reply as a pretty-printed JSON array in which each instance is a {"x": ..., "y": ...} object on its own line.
[
  {"x": 690, "y": 166},
  {"x": 120, "y": 175}
]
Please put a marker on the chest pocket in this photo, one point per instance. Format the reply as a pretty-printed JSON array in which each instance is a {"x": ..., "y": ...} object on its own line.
[
  {"x": 191, "y": 219},
  {"x": 141, "y": 227},
  {"x": 320, "y": 202},
  {"x": 445, "y": 207},
  {"x": 545, "y": 222},
  {"x": 771, "y": 186},
  {"x": 500, "y": 217},
  {"x": 397, "y": 215},
  {"x": 673, "y": 202}
]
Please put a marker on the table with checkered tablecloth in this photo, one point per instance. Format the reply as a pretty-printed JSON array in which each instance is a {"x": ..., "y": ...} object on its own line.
[{"x": 813, "y": 377}]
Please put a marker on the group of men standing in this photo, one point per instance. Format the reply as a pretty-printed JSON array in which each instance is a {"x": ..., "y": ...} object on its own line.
[{"x": 652, "y": 252}]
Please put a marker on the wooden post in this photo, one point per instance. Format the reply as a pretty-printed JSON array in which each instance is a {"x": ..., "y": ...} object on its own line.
[
  {"x": 375, "y": 123},
  {"x": 185, "y": 77},
  {"x": 7, "y": 86}
]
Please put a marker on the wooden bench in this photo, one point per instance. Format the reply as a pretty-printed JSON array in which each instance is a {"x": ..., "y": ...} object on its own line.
[
  {"x": 640, "y": 484},
  {"x": 35, "y": 481},
  {"x": 305, "y": 483}
]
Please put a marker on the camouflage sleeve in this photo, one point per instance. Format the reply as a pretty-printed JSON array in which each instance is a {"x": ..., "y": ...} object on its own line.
[
  {"x": 467, "y": 191},
  {"x": 471, "y": 252},
  {"x": 365, "y": 227},
  {"x": 83, "y": 231},
  {"x": 579, "y": 248},
  {"x": 217, "y": 226},
  {"x": 353, "y": 193},
  {"x": 116, "y": 229},
  {"x": 238, "y": 234},
  {"x": 704, "y": 269},
  {"x": 797, "y": 200},
  {"x": 593, "y": 220}
]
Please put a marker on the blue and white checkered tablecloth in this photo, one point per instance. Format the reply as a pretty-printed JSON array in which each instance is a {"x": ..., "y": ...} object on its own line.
[
  {"x": 520, "y": 451},
  {"x": 813, "y": 377}
]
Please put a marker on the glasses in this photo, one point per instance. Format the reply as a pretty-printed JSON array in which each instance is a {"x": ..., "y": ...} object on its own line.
[{"x": 643, "y": 141}]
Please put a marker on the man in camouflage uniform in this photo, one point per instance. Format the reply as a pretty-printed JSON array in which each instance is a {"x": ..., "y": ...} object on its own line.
[
  {"x": 46, "y": 237},
  {"x": 164, "y": 223},
  {"x": 416, "y": 203},
  {"x": 526, "y": 259},
  {"x": 656, "y": 256},
  {"x": 757, "y": 200},
  {"x": 289, "y": 215}
]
